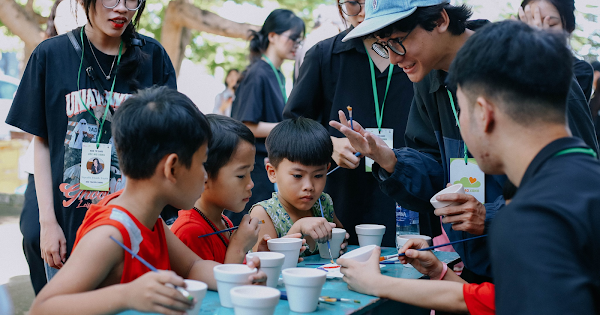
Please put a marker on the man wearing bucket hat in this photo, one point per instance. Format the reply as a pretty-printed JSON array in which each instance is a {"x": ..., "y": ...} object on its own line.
[{"x": 423, "y": 37}]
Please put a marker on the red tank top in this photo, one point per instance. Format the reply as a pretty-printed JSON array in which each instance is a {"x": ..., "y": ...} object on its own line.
[{"x": 151, "y": 244}]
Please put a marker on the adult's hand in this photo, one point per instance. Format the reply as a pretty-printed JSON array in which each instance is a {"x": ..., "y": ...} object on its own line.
[
  {"x": 424, "y": 262},
  {"x": 53, "y": 244},
  {"x": 343, "y": 153},
  {"x": 468, "y": 216},
  {"x": 366, "y": 143}
]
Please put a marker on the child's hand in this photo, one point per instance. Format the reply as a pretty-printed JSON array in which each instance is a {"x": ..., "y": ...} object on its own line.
[
  {"x": 260, "y": 277},
  {"x": 424, "y": 261},
  {"x": 247, "y": 233},
  {"x": 263, "y": 246},
  {"x": 150, "y": 293},
  {"x": 317, "y": 228},
  {"x": 344, "y": 246}
]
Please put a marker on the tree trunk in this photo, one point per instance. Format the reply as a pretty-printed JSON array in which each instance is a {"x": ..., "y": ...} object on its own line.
[
  {"x": 181, "y": 15},
  {"x": 22, "y": 24}
]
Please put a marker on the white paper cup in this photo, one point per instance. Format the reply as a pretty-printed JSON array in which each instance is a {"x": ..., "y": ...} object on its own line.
[
  {"x": 370, "y": 234},
  {"x": 360, "y": 254},
  {"x": 337, "y": 238},
  {"x": 270, "y": 263},
  {"x": 229, "y": 276},
  {"x": 454, "y": 189},
  {"x": 197, "y": 289},
  {"x": 402, "y": 239},
  {"x": 254, "y": 300},
  {"x": 303, "y": 287},
  {"x": 290, "y": 247}
]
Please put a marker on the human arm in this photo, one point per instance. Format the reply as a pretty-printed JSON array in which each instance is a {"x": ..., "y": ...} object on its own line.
[
  {"x": 242, "y": 240},
  {"x": 314, "y": 229},
  {"x": 53, "y": 244},
  {"x": 366, "y": 277},
  {"x": 81, "y": 289},
  {"x": 260, "y": 129}
]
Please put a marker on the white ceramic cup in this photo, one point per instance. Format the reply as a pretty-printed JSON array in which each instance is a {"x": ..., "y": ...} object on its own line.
[
  {"x": 360, "y": 254},
  {"x": 370, "y": 234},
  {"x": 229, "y": 276},
  {"x": 290, "y": 247},
  {"x": 337, "y": 238},
  {"x": 270, "y": 263},
  {"x": 303, "y": 287},
  {"x": 402, "y": 239},
  {"x": 197, "y": 289},
  {"x": 254, "y": 300},
  {"x": 454, "y": 189}
]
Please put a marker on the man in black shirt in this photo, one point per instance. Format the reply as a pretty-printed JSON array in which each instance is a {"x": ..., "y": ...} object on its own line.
[{"x": 513, "y": 83}]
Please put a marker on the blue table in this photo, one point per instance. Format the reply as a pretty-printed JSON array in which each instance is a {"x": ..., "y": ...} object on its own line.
[{"x": 338, "y": 288}]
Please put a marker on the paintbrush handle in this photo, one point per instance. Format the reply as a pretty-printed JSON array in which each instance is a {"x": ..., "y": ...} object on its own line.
[
  {"x": 433, "y": 247},
  {"x": 142, "y": 260},
  {"x": 333, "y": 170},
  {"x": 226, "y": 230}
]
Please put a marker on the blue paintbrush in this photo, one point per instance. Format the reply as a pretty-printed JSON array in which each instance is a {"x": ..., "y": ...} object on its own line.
[
  {"x": 432, "y": 247},
  {"x": 328, "y": 246}
]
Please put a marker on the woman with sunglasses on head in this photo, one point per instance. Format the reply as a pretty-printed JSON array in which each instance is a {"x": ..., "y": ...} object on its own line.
[
  {"x": 355, "y": 73},
  {"x": 62, "y": 100},
  {"x": 260, "y": 95}
]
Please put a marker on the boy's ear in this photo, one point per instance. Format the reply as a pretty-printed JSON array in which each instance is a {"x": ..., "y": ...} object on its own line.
[
  {"x": 171, "y": 167},
  {"x": 486, "y": 113},
  {"x": 328, "y": 166},
  {"x": 271, "y": 172}
]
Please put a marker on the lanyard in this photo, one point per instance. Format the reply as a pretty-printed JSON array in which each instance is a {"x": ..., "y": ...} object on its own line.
[
  {"x": 379, "y": 114},
  {"x": 457, "y": 123},
  {"x": 587, "y": 151},
  {"x": 111, "y": 89},
  {"x": 281, "y": 86}
]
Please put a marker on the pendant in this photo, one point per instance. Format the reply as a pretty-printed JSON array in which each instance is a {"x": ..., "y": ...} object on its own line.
[{"x": 107, "y": 78}]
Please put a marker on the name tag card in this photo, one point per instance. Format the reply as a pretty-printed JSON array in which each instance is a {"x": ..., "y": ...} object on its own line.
[
  {"x": 95, "y": 166},
  {"x": 387, "y": 135},
  {"x": 470, "y": 176}
]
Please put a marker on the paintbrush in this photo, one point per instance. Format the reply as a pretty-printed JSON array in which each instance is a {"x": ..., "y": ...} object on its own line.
[
  {"x": 328, "y": 245},
  {"x": 227, "y": 230},
  {"x": 333, "y": 170},
  {"x": 183, "y": 291},
  {"x": 350, "y": 116},
  {"x": 334, "y": 299},
  {"x": 382, "y": 258}
]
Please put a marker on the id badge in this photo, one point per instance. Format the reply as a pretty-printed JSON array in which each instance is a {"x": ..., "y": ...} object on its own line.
[
  {"x": 387, "y": 135},
  {"x": 470, "y": 176},
  {"x": 95, "y": 166}
]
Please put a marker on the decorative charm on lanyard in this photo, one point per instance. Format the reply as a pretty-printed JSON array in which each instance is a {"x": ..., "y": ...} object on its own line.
[
  {"x": 281, "y": 85},
  {"x": 457, "y": 123}
]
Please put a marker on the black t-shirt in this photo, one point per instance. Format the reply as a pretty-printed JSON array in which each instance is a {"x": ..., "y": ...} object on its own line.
[
  {"x": 335, "y": 75},
  {"x": 259, "y": 98},
  {"x": 47, "y": 104},
  {"x": 544, "y": 245}
]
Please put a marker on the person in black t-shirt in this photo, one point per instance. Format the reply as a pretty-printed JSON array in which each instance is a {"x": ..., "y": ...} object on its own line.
[
  {"x": 63, "y": 107},
  {"x": 260, "y": 95}
]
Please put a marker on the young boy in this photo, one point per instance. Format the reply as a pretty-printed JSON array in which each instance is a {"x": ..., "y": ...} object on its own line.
[
  {"x": 299, "y": 156},
  {"x": 423, "y": 37},
  {"x": 161, "y": 139}
]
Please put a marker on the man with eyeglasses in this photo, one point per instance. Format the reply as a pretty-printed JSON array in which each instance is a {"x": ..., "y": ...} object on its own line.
[{"x": 423, "y": 37}]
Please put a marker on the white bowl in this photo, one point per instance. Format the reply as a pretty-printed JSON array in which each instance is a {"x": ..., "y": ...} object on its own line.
[
  {"x": 270, "y": 263},
  {"x": 360, "y": 254},
  {"x": 290, "y": 247},
  {"x": 229, "y": 276},
  {"x": 254, "y": 300},
  {"x": 303, "y": 287},
  {"x": 197, "y": 289},
  {"x": 370, "y": 234},
  {"x": 454, "y": 189}
]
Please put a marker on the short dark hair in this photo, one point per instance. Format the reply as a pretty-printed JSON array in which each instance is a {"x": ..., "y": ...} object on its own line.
[
  {"x": 153, "y": 123},
  {"x": 278, "y": 21},
  {"x": 529, "y": 71},
  {"x": 565, "y": 8},
  {"x": 300, "y": 140},
  {"x": 427, "y": 18},
  {"x": 226, "y": 135}
]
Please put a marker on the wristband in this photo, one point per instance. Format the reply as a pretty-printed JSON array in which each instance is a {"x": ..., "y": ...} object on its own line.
[{"x": 444, "y": 270}]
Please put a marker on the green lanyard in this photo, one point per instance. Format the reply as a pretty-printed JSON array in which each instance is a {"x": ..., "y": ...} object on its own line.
[
  {"x": 587, "y": 151},
  {"x": 281, "y": 86},
  {"x": 379, "y": 114},
  {"x": 457, "y": 123},
  {"x": 109, "y": 96}
]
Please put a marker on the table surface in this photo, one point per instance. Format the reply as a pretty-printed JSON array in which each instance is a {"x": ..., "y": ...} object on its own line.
[{"x": 333, "y": 287}]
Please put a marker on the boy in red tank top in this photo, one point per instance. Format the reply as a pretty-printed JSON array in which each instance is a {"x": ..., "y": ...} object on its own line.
[{"x": 161, "y": 139}]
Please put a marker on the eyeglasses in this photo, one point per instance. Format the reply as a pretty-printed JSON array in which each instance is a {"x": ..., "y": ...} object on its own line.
[
  {"x": 351, "y": 8},
  {"x": 298, "y": 41},
  {"x": 393, "y": 44},
  {"x": 131, "y": 5}
]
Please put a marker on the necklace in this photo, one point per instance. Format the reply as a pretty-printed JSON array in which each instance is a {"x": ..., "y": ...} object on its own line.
[
  {"x": 214, "y": 227},
  {"x": 99, "y": 66}
]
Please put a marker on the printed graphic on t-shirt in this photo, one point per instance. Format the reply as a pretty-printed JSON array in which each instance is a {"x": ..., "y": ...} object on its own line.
[{"x": 81, "y": 128}]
